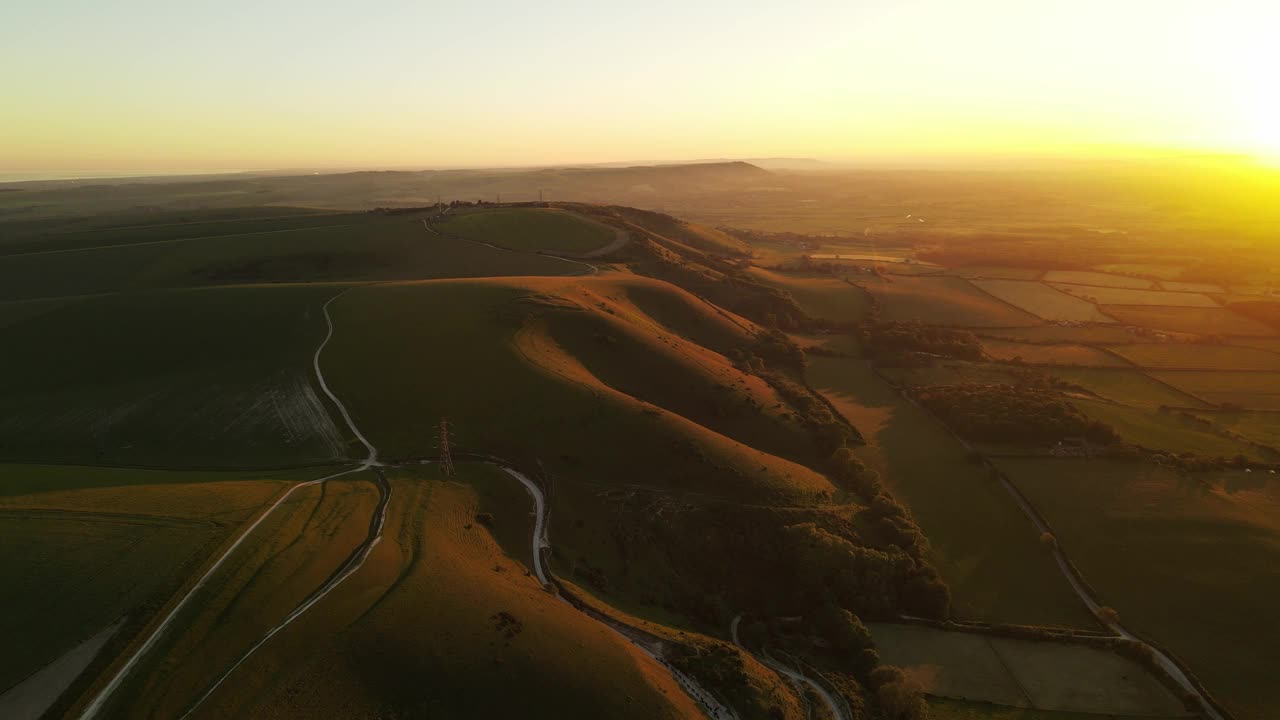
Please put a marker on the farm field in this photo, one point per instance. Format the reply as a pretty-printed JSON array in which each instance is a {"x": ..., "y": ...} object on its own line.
[
  {"x": 88, "y": 382},
  {"x": 1168, "y": 432},
  {"x": 1033, "y": 354},
  {"x": 1044, "y": 675},
  {"x": 1080, "y": 277},
  {"x": 1069, "y": 334},
  {"x": 1190, "y": 287},
  {"x": 1127, "y": 296},
  {"x": 1155, "y": 270},
  {"x": 1127, "y": 387},
  {"x": 1043, "y": 301},
  {"x": 1259, "y": 427},
  {"x": 1160, "y": 548},
  {"x": 1249, "y": 390},
  {"x": 1180, "y": 356},
  {"x": 373, "y": 650},
  {"x": 996, "y": 272},
  {"x": 85, "y": 547},
  {"x": 531, "y": 229},
  {"x": 820, "y": 296},
  {"x": 986, "y": 550},
  {"x": 942, "y": 301},
  {"x": 1194, "y": 320}
]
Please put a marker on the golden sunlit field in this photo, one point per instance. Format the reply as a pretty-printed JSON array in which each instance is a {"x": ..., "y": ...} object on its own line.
[{"x": 766, "y": 450}]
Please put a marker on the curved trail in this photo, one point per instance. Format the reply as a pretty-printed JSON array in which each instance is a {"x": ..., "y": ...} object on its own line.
[
  {"x": 95, "y": 706},
  {"x": 713, "y": 707},
  {"x": 357, "y": 558},
  {"x": 1165, "y": 662},
  {"x": 836, "y": 707}
]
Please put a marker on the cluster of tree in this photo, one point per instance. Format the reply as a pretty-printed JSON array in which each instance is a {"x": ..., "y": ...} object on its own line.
[
  {"x": 877, "y": 583},
  {"x": 894, "y": 343},
  {"x": 1011, "y": 414},
  {"x": 804, "y": 242},
  {"x": 828, "y": 428}
]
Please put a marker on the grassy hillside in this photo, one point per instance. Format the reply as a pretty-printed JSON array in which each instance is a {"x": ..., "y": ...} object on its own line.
[
  {"x": 373, "y": 651},
  {"x": 530, "y": 229},
  {"x": 492, "y": 368},
  {"x": 361, "y": 247},
  {"x": 210, "y": 377},
  {"x": 83, "y": 547}
]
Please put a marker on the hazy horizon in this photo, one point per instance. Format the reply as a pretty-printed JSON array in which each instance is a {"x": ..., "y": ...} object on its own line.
[{"x": 143, "y": 87}]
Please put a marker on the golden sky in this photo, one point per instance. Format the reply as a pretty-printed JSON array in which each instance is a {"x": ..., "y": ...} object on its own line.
[{"x": 144, "y": 85}]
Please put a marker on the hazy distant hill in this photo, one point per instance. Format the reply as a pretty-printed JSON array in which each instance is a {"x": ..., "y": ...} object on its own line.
[{"x": 643, "y": 185}]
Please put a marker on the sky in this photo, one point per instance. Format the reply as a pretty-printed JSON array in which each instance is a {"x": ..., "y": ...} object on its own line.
[{"x": 159, "y": 86}]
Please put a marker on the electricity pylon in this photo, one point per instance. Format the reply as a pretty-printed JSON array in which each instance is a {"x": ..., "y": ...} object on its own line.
[{"x": 446, "y": 459}]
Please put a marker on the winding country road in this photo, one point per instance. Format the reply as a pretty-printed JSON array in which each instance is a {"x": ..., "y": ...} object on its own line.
[
  {"x": 712, "y": 706},
  {"x": 837, "y": 708},
  {"x": 99, "y": 701},
  {"x": 1166, "y": 663}
]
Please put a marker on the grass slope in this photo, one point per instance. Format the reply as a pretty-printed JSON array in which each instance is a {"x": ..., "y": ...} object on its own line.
[
  {"x": 493, "y": 368},
  {"x": 370, "y": 247},
  {"x": 531, "y": 229},
  {"x": 820, "y": 296},
  {"x": 417, "y": 633}
]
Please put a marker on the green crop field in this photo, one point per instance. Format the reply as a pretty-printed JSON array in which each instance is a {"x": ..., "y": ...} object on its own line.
[
  {"x": 942, "y": 301},
  {"x": 820, "y": 296},
  {"x": 1199, "y": 321},
  {"x": 83, "y": 547},
  {"x": 531, "y": 229},
  {"x": 1198, "y": 357},
  {"x": 986, "y": 550},
  {"x": 1128, "y": 387},
  {"x": 1169, "y": 432},
  {"x": 1043, "y": 301},
  {"x": 1250, "y": 390},
  {"x": 216, "y": 377},
  {"x": 1064, "y": 354},
  {"x": 1044, "y": 675},
  {"x": 1163, "y": 549},
  {"x": 1077, "y": 277}
]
